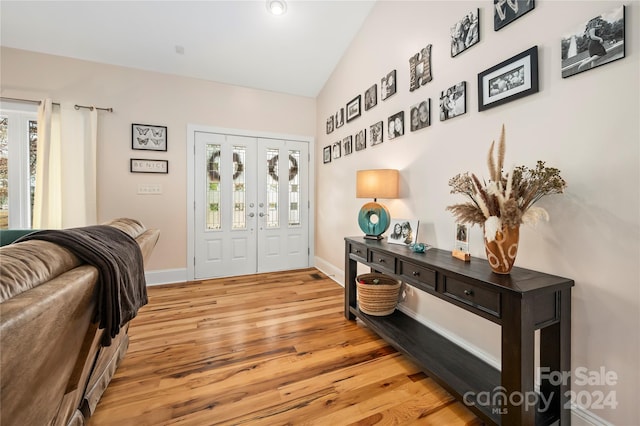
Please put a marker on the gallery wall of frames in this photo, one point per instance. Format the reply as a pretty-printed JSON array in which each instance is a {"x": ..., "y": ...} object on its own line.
[{"x": 584, "y": 46}]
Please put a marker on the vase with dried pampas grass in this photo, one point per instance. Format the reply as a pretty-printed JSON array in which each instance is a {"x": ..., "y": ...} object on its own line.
[{"x": 504, "y": 202}]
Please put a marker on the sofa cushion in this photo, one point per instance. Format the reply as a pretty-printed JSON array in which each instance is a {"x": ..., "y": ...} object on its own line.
[{"x": 31, "y": 263}]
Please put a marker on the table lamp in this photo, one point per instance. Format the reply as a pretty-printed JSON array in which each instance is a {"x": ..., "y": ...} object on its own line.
[{"x": 374, "y": 217}]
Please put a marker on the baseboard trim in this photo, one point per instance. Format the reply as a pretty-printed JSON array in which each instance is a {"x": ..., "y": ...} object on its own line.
[
  {"x": 166, "y": 276},
  {"x": 329, "y": 270}
]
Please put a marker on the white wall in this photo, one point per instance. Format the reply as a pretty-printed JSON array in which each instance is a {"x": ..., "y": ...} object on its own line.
[
  {"x": 586, "y": 125},
  {"x": 150, "y": 98}
]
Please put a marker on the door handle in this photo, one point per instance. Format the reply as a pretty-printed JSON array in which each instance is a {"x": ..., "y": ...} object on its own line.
[{"x": 261, "y": 214}]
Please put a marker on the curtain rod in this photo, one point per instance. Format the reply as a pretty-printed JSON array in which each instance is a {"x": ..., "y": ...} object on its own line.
[{"x": 31, "y": 101}]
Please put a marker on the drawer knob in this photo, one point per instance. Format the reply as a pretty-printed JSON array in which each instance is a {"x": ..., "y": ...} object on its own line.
[
  {"x": 357, "y": 251},
  {"x": 416, "y": 273},
  {"x": 381, "y": 260},
  {"x": 468, "y": 292}
]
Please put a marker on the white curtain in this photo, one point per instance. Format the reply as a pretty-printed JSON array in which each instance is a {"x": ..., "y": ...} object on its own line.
[{"x": 65, "y": 192}]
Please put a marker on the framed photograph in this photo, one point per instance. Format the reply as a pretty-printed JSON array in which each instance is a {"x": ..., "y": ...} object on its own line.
[
  {"x": 326, "y": 154},
  {"x": 371, "y": 97},
  {"x": 376, "y": 133},
  {"x": 149, "y": 138},
  {"x": 507, "y": 11},
  {"x": 339, "y": 118},
  {"x": 462, "y": 237},
  {"x": 353, "y": 108},
  {"x": 420, "y": 115},
  {"x": 388, "y": 85},
  {"x": 465, "y": 33},
  {"x": 596, "y": 42},
  {"x": 348, "y": 145},
  {"x": 420, "y": 69},
  {"x": 139, "y": 165},
  {"x": 336, "y": 150},
  {"x": 361, "y": 140},
  {"x": 453, "y": 101},
  {"x": 512, "y": 79},
  {"x": 403, "y": 231},
  {"x": 330, "y": 124},
  {"x": 395, "y": 125}
]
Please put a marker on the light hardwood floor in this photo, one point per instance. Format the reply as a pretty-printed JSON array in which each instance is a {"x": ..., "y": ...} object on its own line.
[{"x": 270, "y": 349}]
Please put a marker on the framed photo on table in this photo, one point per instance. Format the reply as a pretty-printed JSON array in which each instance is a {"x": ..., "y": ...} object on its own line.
[
  {"x": 148, "y": 137},
  {"x": 403, "y": 231},
  {"x": 512, "y": 79}
]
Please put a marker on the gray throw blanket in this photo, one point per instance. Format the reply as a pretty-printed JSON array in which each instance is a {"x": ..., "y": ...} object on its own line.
[{"x": 122, "y": 288}]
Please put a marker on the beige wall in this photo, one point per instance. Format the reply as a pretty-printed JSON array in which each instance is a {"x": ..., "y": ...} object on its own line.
[
  {"x": 150, "y": 98},
  {"x": 586, "y": 125}
]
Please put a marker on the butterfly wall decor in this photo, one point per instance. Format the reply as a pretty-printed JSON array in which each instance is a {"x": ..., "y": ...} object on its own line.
[{"x": 148, "y": 137}]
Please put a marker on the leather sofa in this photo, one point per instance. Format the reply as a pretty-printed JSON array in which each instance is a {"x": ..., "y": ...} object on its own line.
[{"x": 54, "y": 366}]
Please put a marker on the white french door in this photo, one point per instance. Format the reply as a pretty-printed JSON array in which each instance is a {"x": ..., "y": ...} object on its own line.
[{"x": 251, "y": 205}]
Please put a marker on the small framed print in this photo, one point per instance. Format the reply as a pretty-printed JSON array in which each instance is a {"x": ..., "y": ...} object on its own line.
[
  {"x": 149, "y": 138},
  {"x": 336, "y": 150},
  {"x": 347, "y": 142},
  {"x": 139, "y": 165},
  {"x": 371, "y": 97},
  {"x": 326, "y": 154},
  {"x": 330, "y": 124},
  {"x": 462, "y": 237},
  {"x": 512, "y": 79},
  {"x": 465, "y": 33},
  {"x": 420, "y": 115},
  {"x": 453, "y": 101},
  {"x": 395, "y": 125},
  {"x": 388, "y": 85},
  {"x": 376, "y": 133},
  {"x": 507, "y": 11},
  {"x": 353, "y": 108},
  {"x": 339, "y": 118},
  {"x": 403, "y": 231},
  {"x": 361, "y": 140}
]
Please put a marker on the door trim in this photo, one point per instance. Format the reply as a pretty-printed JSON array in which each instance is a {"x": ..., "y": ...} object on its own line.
[{"x": 191, "y": 130}]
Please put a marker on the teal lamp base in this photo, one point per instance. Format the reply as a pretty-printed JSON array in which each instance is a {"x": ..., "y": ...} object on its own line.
[{"x": 374, "y": 220}]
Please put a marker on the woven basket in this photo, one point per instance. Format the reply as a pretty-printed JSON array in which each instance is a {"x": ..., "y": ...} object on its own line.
[{"x": 377, "y": 299}]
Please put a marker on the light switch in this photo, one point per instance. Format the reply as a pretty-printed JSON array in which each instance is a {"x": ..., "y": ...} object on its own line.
[{"x": 149, "y": 189}]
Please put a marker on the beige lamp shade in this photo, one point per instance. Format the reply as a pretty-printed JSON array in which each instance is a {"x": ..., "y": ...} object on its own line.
[{"x": 380, "y": 183}]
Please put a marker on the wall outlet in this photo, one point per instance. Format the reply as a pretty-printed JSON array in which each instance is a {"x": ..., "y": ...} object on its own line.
[{"x": 149, "y": 189}]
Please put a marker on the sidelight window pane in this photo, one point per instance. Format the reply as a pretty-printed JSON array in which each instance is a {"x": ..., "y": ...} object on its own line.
[
  {"x": 294, "y": 189},
  {"x": 4, "y": 173},
  {"x": 273, "y": 174},
  {"x": 212, "y": 158},
  {"x": 239, "y": 188}
]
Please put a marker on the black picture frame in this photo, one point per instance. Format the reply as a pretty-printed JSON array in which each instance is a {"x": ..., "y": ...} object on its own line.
[
  {"x": 420, "y": 115},
  {"x": 465, "y": 33},
  {"x": 371, "y": 97},
  {"x": 594, "y": 42},
  {"x": 376, "y": 133},
  {"x": 347, "y": 142},
  {"x": 388, "y": 85},
  {"x": 143, "y": 165},
  {"x": 420, "y": 69},
  {"x": 361, "y": 140},
  {"x": 507, "y": 11},
  {"x": 326, "y": 154},
  {"x": 353, "y": 108},
  {"x": 511, "y": 79},
  {"x": 147, "y": 137},
  {"x": 395, "y": 125},
  {"x": 453, "y": 101},
  {"x": 336, "y": 150},
  {"x": 330, "y": 124},
  {"x": 339, "y": 118}
]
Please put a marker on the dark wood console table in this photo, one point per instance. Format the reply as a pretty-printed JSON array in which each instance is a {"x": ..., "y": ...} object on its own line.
[{"x": 521, "y": 303}]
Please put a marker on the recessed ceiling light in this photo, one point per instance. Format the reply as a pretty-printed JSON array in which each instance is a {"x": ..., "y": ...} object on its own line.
[{"x": 277, "y": 7}]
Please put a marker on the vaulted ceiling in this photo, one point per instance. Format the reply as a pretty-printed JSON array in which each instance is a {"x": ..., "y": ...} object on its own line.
[{"x": 235, "y": 42}]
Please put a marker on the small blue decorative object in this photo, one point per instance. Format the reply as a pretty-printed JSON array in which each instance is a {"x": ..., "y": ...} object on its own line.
[
  {"x": 374, "y": 219},
  {"x": 418, "y": 247}
]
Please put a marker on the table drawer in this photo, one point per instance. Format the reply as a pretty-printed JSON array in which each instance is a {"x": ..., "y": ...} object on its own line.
[
  {"x": 358, "y": 250},
  {"x": 382, "y": 261},
  {"x": 478, "y": 297},
  {"x": 418, "y": 275}
]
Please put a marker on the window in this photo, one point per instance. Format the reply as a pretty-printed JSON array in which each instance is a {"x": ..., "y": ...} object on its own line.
[{"x": 18, "y": 142}]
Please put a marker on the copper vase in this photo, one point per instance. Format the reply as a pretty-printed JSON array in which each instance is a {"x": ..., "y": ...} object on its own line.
[{"x": 501, "y": 252}]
